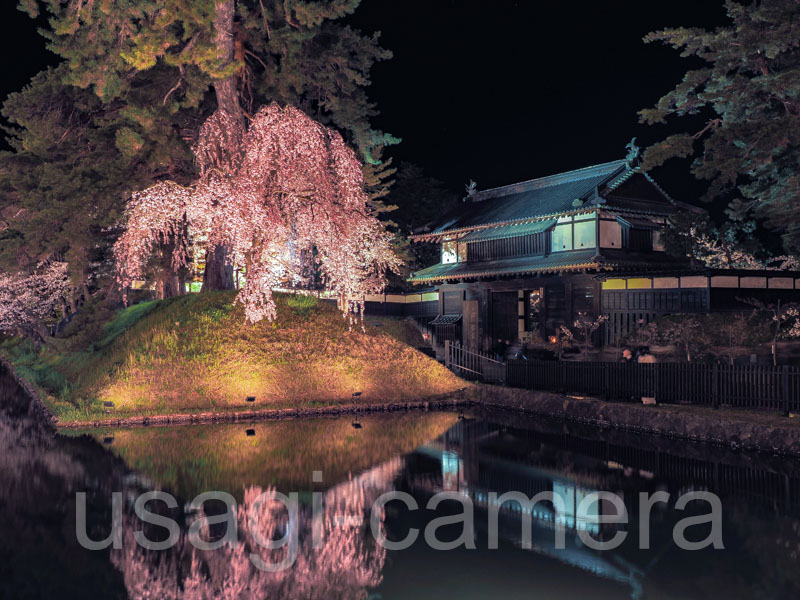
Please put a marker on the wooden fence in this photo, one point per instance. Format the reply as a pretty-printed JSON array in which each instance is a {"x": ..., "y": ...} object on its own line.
[
  {"x": 470, "y": 364},
  {"x": 773, "y": 388},
  {"x": 734, "y": 386}
]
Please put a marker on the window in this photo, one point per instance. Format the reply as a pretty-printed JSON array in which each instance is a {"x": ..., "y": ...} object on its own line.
[
  {"x": 528, "y": 245},
  {"x": 561, "y": 238},
  {"x": 569, "y": 235},
  {"x": 658, "y": 243},
  {"x": 449, "y": 252},
  {"x": 585, "y": 234}
]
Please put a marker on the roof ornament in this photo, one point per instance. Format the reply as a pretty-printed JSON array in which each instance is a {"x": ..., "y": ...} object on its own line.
[
  {"x": 471, "y": 188},
  {"x": 633, "y": 153}
]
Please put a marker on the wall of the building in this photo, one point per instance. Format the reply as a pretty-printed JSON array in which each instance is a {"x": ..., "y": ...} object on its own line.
[
  {"x": 403, "y": 305},
  {"x": 501, "y": 308},
  {"x": 501, "y": 305}
]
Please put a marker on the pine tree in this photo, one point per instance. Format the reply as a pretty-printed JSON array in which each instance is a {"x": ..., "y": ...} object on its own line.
[
  {"x": 158, "y": 69},
  {"x": 71, "y": 169},
  {"x": 749, "y": 88}
]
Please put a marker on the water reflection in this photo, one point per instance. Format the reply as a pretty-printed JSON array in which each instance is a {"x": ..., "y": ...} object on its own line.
[
  {"x": 421, "y": 454},
  {"x": 39, "y": 475}
]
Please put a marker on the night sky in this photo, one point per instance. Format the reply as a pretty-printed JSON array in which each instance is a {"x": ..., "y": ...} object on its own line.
[{"x": 498, "y": 91}]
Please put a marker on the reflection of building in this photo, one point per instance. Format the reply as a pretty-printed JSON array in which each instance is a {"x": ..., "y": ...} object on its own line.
[
  {"x": 521, "y": 260},
  {"x": 470, "y": 459}
]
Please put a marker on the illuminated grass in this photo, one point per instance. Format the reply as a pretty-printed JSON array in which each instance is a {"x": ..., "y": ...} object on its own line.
[{"x": 197, "y": 353}]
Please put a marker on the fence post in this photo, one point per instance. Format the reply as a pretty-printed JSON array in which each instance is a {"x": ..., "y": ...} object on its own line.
[
  {"x": 715, "y": 386},
  {"x": 785, "y": 381},
  {"x": 563, "y": 377},
  {"x": 656, "y": 378},
  {"x": 447, "y": 353}
]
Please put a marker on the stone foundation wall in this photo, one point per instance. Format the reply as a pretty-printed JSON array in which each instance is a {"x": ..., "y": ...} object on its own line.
[{"x": 735, "y": 429}]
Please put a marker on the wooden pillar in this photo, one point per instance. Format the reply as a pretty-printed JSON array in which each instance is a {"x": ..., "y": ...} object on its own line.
[{"x": 569, "y": 316}]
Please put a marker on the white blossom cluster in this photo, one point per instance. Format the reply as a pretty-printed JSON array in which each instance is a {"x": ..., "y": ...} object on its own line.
[
  {"x": 28, "y": 299},
  {"x": 713, "y": 254}
]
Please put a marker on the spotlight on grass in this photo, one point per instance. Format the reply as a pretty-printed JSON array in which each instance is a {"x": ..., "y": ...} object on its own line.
[
  {"x": 108, "y": 404},
  {"x": 250, "y": 432},
  {"x": 109, "y": 439},
  {"x": 251, "y": 398},
  {"x": 357, "y": 394}
]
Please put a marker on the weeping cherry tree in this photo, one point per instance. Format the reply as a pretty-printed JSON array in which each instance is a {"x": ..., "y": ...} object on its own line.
[{"x": 276, "y": 194}]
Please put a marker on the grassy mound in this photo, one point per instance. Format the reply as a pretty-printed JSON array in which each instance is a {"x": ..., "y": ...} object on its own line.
[{"x": 197, "y": 353}]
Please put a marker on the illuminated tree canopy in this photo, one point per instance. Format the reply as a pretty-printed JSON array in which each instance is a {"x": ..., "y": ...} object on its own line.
[
  {"x": 28, "y": 300},
  {"x": 281, "y": 194},
  {"x": 123, "y": 108}
]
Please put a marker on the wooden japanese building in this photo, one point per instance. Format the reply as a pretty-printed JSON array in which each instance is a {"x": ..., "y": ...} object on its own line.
[{"x": 519, "y": 261}]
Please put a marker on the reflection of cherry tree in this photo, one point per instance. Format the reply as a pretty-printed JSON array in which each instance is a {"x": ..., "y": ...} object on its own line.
[
  {"x": 276, "y": 196},
  {"x": 346, "y": 564}
]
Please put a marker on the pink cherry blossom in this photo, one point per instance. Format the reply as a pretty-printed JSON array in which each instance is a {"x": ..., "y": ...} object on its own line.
[{"x": 279, "y": 194}]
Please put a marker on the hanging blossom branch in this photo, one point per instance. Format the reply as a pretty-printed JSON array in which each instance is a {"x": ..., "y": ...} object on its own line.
[
  {"x": 27, "y": 301},
  {"x": 274, "y": 194}
]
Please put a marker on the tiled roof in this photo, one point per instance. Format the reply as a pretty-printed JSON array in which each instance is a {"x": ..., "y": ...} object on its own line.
[
  {"x": 507, "y": 231},
  {"x": 575, "y": 260},
  {"x": 572, "y": 192},
  {"x": 531, "y": 199}
]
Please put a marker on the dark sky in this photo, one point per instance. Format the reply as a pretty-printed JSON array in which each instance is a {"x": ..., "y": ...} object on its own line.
[{"x": 496, "y": 90}]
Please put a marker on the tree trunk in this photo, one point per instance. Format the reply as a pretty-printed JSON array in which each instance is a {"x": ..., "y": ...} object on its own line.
[
  {"x": 775, "y": 351},
  {"x": 168, "y": 285},
  {"x": 775, "y": 337},
  {"x": 225, "y": 89},
  {"x": 167, "y": 280},
  {"x": 219, "y": 272}
]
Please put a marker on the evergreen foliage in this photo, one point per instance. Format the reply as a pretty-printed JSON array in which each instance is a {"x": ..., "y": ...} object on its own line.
[{"x": 748, "y": 88}]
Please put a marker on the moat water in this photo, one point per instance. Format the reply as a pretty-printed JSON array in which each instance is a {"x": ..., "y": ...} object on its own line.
[{"x": 338, "y": 468}]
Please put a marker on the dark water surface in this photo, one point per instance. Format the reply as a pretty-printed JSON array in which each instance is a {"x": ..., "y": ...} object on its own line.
[{"x": 421, "y": 454}]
